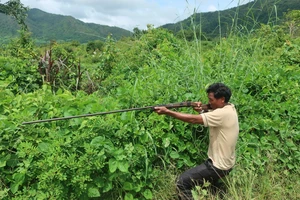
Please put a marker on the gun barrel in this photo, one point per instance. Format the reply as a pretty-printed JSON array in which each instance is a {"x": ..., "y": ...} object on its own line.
[
  {"x": 85, "y": 115},
  {"x": 174, "y": 105}
]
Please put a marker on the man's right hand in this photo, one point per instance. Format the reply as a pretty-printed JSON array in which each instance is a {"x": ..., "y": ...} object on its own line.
[{"x": 198, "y": 108}]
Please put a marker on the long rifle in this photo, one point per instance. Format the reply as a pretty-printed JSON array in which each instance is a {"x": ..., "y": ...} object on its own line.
[{"x": 205, "y": 107}]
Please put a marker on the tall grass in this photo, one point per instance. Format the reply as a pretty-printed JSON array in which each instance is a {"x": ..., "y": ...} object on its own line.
[{"x": 242, "y": 183}]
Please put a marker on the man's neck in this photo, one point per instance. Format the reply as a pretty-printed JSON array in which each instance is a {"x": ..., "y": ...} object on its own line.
[{"x": 225, "y": 104}]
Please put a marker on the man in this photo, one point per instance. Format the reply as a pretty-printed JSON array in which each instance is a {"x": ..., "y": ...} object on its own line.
[{"x": 222, "y": 121}]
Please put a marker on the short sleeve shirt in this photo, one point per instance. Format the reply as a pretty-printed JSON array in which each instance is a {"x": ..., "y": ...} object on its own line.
[{"x": 223, "y": 134}]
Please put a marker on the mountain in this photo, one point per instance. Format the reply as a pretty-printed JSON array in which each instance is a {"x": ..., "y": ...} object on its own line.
[
  {"x": 46, "y": 27},
  {"x": 247, "y": 17}
]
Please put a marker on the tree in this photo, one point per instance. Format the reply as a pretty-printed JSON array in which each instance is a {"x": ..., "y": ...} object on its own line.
[
  {"x": 16, "y": 9},
  {"x": 137, "y": 33},
  {"x": 293, "y": 21},
  {"x": 94, "y": 46}
]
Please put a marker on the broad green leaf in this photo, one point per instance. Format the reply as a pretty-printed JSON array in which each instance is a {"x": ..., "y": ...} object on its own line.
[
  {"x": 108, "y": 186},
  {"x": 19, "y": 178},
  {"x": 128, "y": 196},
  {"x": 4, "y": 84},
  {"x": 290, "y": 166},
  {"x": 3, "y": 117},
  {"x": 45, "y": 87},
  {"x": 99, "y": 182},
  {"x": 166, "y": 142},
  {"x": 125, "y": 116},
  {"x": 174, "y": 155},
  {"x": 148, "y": 194},
  {"x": 112, "y": 165},
  {"x": 14, "y": 187},
  {"x": 43, "y": 147},
  {"x": 93, "y": 192},
  {"x": 83, "y": 124},
  {"x": 290, "y": 143},
  {"x": 127, "y": 186},
  {"x": 97, "y": 141},
  {"x": 2, "y": 163},
  {"x": 13, "y": 161},
  {"x": 3, "y": 160},
  {"x": 67, "y": 114},
  {"x": 138, "y": 187},
  {"x": 123, "y": 166}
]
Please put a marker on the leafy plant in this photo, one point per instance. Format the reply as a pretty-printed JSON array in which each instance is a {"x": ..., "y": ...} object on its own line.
[
  {"x": 16, "y": 9},
  {"x": 60, "y": 73}
]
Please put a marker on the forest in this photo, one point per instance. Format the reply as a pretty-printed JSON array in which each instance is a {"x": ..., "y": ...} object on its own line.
[{"x": 139, "y": 154}]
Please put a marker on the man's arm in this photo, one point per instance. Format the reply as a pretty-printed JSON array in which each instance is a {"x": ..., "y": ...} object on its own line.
[{"x": 190, "y": 118}]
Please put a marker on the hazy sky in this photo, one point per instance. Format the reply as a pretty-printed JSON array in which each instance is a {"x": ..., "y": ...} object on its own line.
[{"x": 129, "y": 14}]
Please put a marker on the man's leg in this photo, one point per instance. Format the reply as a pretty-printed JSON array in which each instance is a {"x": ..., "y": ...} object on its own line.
[
  {"x": 189, "y": 179},
  {"x": 216, "y": 176},
  {"x": 196, "y": 176}
]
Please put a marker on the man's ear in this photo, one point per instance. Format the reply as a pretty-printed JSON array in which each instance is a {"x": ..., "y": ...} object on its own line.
[{"x": 223, "y": 99}]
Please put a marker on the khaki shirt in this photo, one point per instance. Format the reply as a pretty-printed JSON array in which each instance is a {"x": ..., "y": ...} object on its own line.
[{"x": 223, "y": 134}]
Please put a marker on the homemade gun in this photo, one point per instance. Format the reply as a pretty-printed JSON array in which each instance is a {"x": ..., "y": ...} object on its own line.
[{"x": 205, "y": 108}]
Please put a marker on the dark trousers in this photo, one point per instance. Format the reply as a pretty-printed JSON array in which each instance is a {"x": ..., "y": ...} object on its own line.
[{"x": 196, "y": 176}]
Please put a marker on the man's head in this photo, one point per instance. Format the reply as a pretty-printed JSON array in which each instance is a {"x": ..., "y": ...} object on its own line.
[{"x": 218, "y": 94}]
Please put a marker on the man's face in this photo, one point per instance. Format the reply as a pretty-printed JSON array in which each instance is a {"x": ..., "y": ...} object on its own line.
[{"x": 215, "y": 103}]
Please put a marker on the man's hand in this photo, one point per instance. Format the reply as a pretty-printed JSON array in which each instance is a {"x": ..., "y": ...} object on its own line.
[
  {"x": 198, "y": 108},
  {"x": 190, "y": 118},
  {"x": 161, "y": 110}
]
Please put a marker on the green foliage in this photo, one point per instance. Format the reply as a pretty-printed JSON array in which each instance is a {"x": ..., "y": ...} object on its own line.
[
  {"x": 244, "y": 18},
  {"x": 19, "y": 75},
  {"x": 64, "y": 161},
  {"x": 292, "y": 20},
  {"x": 22, "y": 46},
  {"x": 270, "y": 38},
  {"x": 16, "y": 9},
  {"x": 93, "y": 46},
  {"x": 210, "y": 25},
  {"x": 291, "y": 55},
  {"x": 137, "y": 33},
  {"x": 60, "y": 69}
]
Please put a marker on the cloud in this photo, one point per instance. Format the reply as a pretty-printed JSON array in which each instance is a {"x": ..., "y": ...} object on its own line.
[
  {"x": 128, "y": 14},
  {"x": 212, "y": 8},
  {"x": 121, "y": 13}
]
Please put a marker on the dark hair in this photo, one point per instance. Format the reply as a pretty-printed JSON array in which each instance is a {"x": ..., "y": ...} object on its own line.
[{"x": 220, "y": 90}]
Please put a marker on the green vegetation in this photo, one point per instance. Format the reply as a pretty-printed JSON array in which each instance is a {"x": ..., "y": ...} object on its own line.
[
  {"x": 65, "y": 28},
  {"x": 245, "y": 18},
  {"x": 138, "y": 155},
  {"x": 17, "y": 10}
]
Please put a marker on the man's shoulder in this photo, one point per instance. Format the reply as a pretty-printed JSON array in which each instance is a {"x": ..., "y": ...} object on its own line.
[
  {"x": 226, "y": 110},
  {"x": 230, "y": 106}
]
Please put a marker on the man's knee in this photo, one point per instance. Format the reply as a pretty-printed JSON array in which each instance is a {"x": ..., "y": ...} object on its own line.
[
  {"x": 181, "y": 183},
  {"x": 186, "y": 182},
  {"x": 184, "y": 187}
]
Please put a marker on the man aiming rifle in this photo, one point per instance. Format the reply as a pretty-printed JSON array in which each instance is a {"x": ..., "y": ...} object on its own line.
[{"x": 222, "y": 121}]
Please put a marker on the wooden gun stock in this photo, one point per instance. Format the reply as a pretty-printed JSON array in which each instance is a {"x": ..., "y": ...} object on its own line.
[{"x": 205, "y": 107}]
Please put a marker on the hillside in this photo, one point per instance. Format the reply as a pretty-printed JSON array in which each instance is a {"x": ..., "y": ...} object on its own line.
[
  {"x": 248, "y": 16},
  {"x": 45, "y": 27}
]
